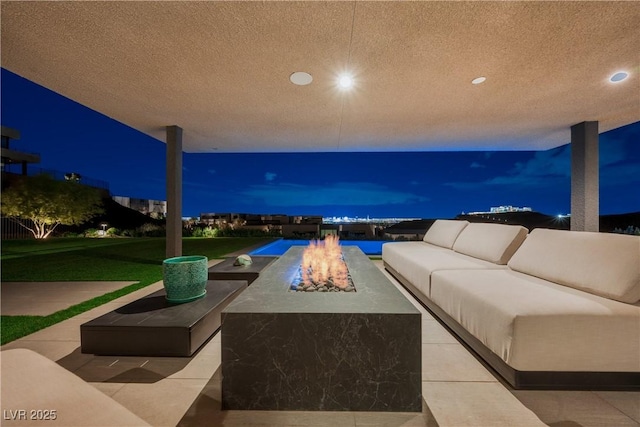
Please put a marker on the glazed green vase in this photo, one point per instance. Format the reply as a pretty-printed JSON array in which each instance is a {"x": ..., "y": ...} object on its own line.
[{"x": 185, "y": 278}]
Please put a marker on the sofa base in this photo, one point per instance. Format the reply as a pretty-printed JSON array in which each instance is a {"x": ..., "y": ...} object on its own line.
[{"x": 524, "y": 380}]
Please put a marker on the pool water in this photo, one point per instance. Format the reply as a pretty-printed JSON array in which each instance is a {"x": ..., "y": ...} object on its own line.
[{"x": 279, "y": 247}]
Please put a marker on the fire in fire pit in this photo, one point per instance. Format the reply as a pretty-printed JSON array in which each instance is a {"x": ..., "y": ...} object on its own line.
[{"x": 323, "y": 268}]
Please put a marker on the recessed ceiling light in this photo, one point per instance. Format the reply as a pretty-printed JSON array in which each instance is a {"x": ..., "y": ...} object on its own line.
[
  {"x": 345, "y": 81},
  {"x": 618, "y": 76},
  {"x": 478, "y": 80},
  {"x": 300, "y": 78}
]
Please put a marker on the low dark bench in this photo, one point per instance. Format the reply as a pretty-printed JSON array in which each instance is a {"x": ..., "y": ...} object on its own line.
[
  {"x": 152, "y": 326},
  {"x": 225, "y": 270}
]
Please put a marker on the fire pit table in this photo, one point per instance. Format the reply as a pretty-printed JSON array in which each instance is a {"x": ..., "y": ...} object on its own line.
[{"x": 325, "y": 351}]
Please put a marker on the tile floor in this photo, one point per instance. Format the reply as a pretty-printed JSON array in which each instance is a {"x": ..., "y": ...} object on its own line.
[{"x": 458, "y": 390}]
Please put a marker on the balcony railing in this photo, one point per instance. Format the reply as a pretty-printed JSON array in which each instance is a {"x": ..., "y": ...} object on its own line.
[{"x": 16, "y": 169}]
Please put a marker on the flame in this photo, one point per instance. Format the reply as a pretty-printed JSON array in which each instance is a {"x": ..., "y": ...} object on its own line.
[{"x": 322, "y": 262}]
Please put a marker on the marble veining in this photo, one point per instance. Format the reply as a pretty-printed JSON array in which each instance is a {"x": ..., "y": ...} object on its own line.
[{"x": 320, "y": 351}]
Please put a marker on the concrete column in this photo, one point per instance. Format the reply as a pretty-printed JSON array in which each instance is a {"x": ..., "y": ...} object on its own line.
[
  {"x": 585, "y": 186},
  {"x": 174, "y": 191}
]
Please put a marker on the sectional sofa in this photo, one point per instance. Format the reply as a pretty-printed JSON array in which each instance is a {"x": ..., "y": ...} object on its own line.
[{"x": 549, "y": 309}]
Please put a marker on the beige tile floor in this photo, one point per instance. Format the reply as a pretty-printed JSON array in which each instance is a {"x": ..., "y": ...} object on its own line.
[
  {"x": 458, "y": 390},
  {"x": 43, "y": 299}
]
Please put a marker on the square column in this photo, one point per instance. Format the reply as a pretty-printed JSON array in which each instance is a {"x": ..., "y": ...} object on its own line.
[
  {"x": 585, "y": 186},
  {"x": 174, "y": 191}
]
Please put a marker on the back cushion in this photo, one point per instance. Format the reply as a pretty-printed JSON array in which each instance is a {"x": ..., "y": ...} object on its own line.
[
  {"x": 444, "y": 232},
  {"x": 603, "y": 264},
  {"x": 491, "y": 242}
]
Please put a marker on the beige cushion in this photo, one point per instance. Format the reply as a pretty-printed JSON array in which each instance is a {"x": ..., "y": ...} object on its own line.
[
  {"x": 415, "y": 261},
  {"x": 536, "y": 325},
  {"x": 603, "y": 264},
  {"x": 31, "y": 381},
  {"x": 491, "y": 242},
  {"x": 444, "y": 232}
]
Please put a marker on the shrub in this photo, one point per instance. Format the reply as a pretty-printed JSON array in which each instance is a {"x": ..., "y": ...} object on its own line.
[
  {"x": 150, "y": 230},
  {"x": 629, "y": 230},
  {"x": 112, "y": 232},
  {"x": 244, "y": 232},
  {"x": 91, "y": 232},
  {"x": 205, "y": 232}
]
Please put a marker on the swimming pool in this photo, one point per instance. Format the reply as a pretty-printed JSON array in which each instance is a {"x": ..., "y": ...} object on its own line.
[{"x": 279, "y": 247}]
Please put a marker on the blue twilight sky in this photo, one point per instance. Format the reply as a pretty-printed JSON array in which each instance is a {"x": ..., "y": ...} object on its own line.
[{"x": 73, "y": 138}]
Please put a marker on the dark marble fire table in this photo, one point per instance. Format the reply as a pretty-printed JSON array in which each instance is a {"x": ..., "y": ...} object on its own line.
[{"x": 358, "y": 351}]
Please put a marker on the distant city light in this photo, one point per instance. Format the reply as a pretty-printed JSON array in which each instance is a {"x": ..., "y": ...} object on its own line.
[
  {"x": 352, "y": 220},
  {"x": 503, "y": 209}
]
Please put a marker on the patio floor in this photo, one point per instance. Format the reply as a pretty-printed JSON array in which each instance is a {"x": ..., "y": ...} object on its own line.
[{"x": 458, "y": 390}]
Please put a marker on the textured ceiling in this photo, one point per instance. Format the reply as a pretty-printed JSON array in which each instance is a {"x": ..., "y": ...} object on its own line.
[{"x": 220, "y": 70}]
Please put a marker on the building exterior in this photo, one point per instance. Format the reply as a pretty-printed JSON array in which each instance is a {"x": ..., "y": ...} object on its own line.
[
  {"x": 153, "y": 208},
  {"x": 223, "y": 219},
  {"x": 501, "y": 209},
  {"x": 12, "y": 156}
]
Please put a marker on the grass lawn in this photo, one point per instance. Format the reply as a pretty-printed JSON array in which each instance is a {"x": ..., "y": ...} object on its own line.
[{"x": 70, "y": 259}]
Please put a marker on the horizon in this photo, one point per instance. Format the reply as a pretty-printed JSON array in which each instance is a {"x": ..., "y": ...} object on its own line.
[{"x": 73, "y": 138}]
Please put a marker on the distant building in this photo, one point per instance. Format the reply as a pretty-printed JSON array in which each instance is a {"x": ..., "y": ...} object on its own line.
[
  {"x": 12, "y": 156},
  {"x": 313, "y": 219},
  {"x": 502, "y": 209},
  {"x": 221, "y": 218},
  {"x": 153, "y": 208},
  {"x": 247, "y": 219},
  {"x": 408, "y": 230},
  {"x": 357, "y": 231},
  {"x": 301, "y": 231}
]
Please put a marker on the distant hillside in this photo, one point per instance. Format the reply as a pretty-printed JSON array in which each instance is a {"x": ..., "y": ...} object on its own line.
[
  {"x": 416, "y": 226},
  {"x": 622, "y": 221},
  {"x": 115, "y": 215},
  {"x": 531, "y": 220}
]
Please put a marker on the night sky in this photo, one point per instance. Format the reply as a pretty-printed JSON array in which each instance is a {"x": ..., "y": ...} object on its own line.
[{"x": 72, "y": 138}]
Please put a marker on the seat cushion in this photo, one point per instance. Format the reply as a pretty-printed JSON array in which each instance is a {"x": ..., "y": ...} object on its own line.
[
  {"x": 491, "y": 242},
  {"x": 603, "y": 264},
  {"x": 444, "y": 232},
  {"x": 416, "y": 262},
  {"x": 536, "y": 325}
]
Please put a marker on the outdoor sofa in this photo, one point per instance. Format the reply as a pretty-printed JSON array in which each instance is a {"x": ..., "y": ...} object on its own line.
[{"x": 551, "y": 309}]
